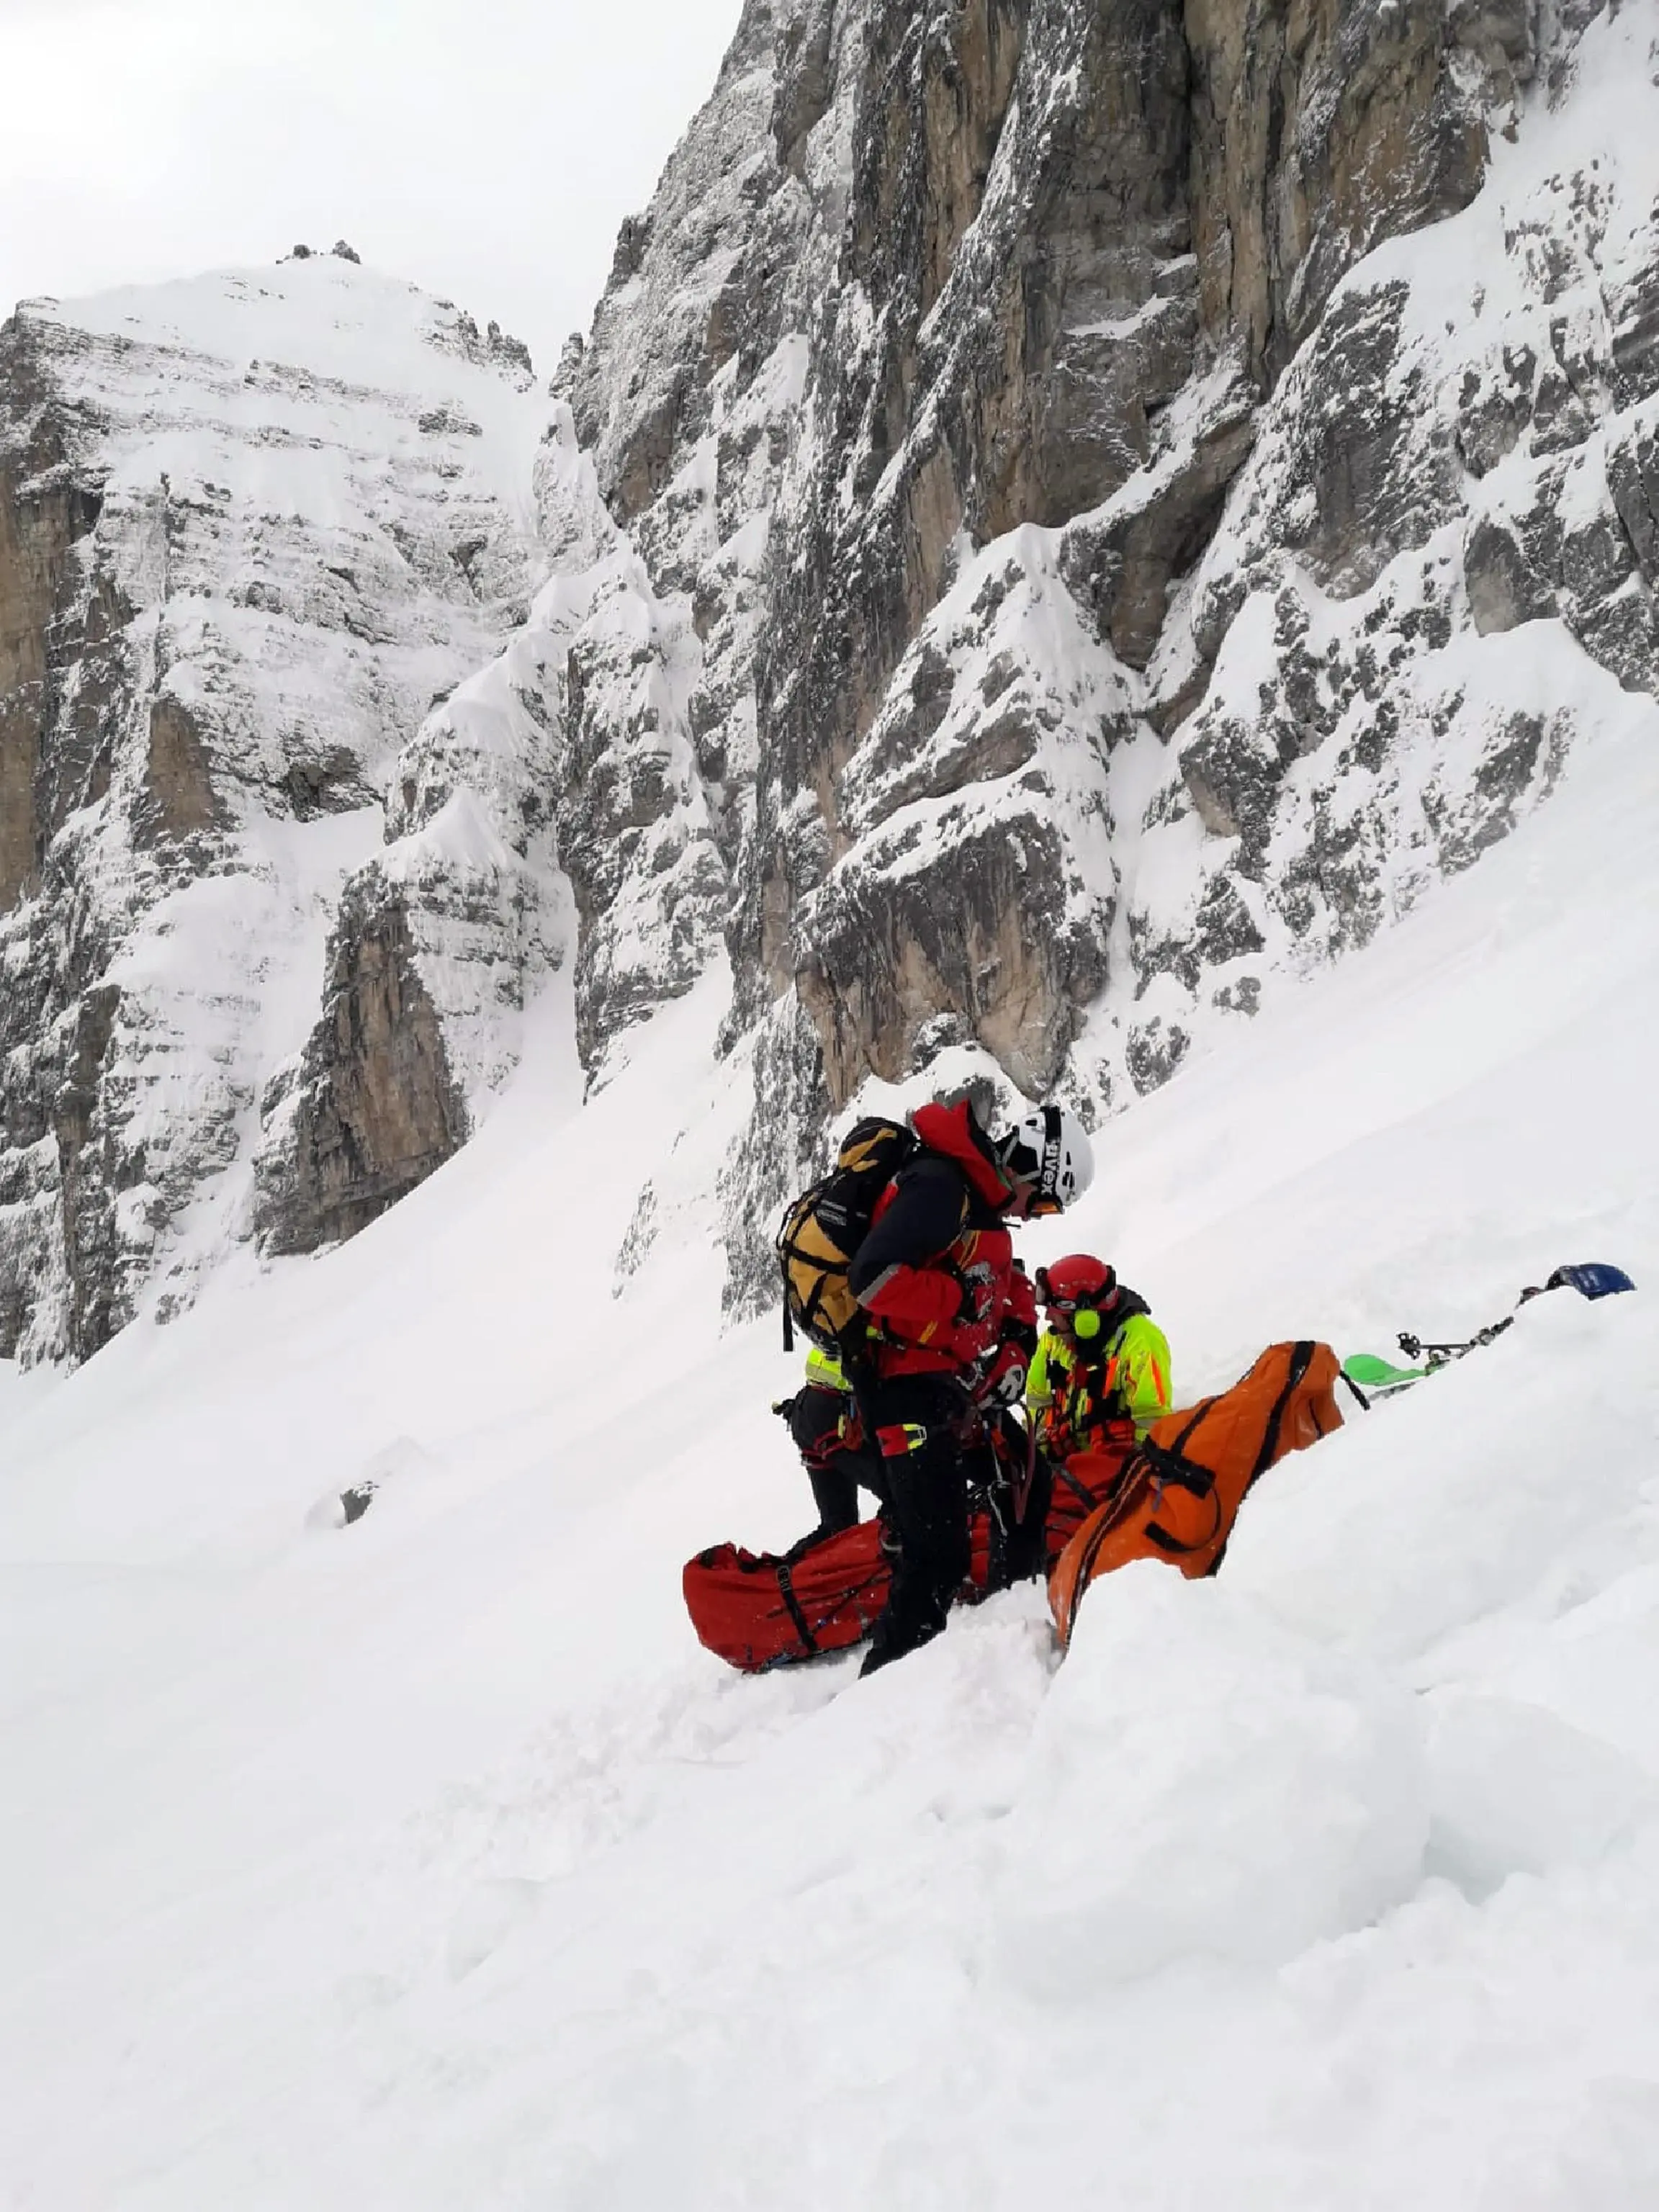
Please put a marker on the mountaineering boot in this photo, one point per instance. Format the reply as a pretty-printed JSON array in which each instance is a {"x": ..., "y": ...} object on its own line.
[{"x": 896, "y": 1639}]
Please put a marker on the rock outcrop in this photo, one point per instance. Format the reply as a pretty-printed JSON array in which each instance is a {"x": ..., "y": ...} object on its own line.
[
  {"x": 1448, "y": 487},
  {"x": 372, "y": 1106}
]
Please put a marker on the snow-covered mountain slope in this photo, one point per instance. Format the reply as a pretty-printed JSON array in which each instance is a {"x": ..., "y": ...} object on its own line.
[
  {"x": 428, "y": 1861},
  {"x": 250, "y": 526},
  {"x": 1066, "y": 513}
]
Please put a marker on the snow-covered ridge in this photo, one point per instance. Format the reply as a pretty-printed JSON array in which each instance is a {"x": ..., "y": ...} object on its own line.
[
  {"x": 320, "y": 317},
  {"x": 255, "y": 523}
]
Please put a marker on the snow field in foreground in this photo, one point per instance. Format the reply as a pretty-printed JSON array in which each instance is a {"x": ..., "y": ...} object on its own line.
[
  {"x": 428, "y": 1862},
  {"x": 1178, "y": 1704}
]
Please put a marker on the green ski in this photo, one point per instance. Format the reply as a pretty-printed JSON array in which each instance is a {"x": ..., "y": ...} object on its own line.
[
  {"x": 1596, "y": 1279},
  {"x": 1374, "y": 1373}
]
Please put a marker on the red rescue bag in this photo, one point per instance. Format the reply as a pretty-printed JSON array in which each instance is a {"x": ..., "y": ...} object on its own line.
[{"x": 761, "y": 1609}]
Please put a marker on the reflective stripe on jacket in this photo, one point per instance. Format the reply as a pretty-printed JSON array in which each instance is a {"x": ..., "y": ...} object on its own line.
[
  {"x": 1129, "y": 1380},
  {"x": 823, "y": 1369}
]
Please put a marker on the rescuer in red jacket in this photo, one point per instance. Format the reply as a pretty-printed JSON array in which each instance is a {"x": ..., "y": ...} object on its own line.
[{"x": 936, "y": 1275}]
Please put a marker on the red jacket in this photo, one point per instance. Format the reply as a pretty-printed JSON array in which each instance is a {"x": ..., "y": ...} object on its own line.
[{"x": 936, "y": 1271}]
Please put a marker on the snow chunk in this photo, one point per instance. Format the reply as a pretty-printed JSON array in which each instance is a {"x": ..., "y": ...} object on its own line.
[
  {"x": 1204, "y": 1784},
  {"x": 1515, "y": 1789}
]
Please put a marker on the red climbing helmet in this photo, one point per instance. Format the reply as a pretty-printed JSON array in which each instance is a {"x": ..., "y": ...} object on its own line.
[
  {"x": 1076, "y": 1291},
  {"x": 1079, "y": 1280}
]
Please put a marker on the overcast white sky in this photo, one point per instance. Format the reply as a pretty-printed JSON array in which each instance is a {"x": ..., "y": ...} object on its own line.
[{"x": 485, "y": 149}]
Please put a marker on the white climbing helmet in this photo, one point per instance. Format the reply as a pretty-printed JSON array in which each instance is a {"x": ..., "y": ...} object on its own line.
[{"x": 1048, "y": 1154}]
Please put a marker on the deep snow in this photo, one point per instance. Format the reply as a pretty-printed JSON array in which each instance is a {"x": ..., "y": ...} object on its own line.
[{"x": 429, "y": 1862}]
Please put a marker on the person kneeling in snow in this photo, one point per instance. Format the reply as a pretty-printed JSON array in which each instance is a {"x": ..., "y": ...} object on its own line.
[
  {"x": 936, "y": 1276},
  {"x": 1101, "y": 1373}
]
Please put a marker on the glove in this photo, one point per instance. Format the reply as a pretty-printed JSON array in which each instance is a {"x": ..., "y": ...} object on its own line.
[
  {"x": 1003, "y": 1383},
  {"x": 969, "y": 1340},
  {"x": 979, "y": 1292}
]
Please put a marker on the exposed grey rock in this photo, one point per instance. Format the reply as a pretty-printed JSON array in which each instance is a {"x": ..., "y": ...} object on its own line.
[
  {"x": 780, "y": 1151},
  {"x": 1154, "y": 1052},
  {"x": 1122, "y": 560},
  {"x": 1040, "y": 275},
  {"x": 1318, "y": 134},
  {"x": 375, "y": 1107}
]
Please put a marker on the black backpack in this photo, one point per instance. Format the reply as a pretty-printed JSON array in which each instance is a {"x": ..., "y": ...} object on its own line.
[{"x": 823, "y": 1228}]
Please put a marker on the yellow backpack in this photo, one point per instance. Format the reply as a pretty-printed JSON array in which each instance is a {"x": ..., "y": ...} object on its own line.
[{"x": 823, "y": 1228}]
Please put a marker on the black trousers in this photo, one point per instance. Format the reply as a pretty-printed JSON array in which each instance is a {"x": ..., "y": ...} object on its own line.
[
  {"x": 919, "y": 1421},
  {"x": 836, "y": 1474},
  {"x": 997, "y": 1469}
]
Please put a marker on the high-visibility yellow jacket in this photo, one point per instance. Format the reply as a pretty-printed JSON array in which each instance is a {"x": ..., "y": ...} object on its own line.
[
  {"x": 1128, "y": 1379},
  {"x": 823, "y": 1368}
]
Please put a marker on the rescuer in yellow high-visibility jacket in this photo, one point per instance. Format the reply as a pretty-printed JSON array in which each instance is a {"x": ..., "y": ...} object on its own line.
[
  {"x": 823, "y": 1417},
  {"x": 1101, "y": 1372}
]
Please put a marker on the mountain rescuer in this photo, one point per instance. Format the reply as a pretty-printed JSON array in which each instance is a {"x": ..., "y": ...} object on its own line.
[
  {"x": 1100, "y": 1375},
  {"x": 936, "y": 1276},
  {"x": 823, "y": 1417}
]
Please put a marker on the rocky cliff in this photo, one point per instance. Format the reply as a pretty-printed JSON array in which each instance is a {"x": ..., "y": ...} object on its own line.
[
  {"x": 1096, "y": 448},
  {"x": 1065, "y": 514},
  {"x": 250, "y": 526}
]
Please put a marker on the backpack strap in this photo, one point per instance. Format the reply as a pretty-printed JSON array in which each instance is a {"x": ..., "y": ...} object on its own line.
[
  {"x": 1135, "y": 1478},
  {"x": 1302, "y": 1354},
  {"x": 1171, "y": 1468},
  {"x": 1172, "y": 1548},
  {"x": 786, "y": 1592},
  {"x": 1170, "y": 1471}
]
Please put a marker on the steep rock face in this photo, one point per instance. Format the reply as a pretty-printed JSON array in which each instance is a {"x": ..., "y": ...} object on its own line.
[
  {"x": 689, "y": 394},
  {"x": 896, "y": 629},
  {"x": 1453, "y": 475},
  {"x": 44, "y": 514},
  {"x": 1057, "y": 262},
  {"x": 1018, "y": 347},
  {"x": 248, "y": 527},
  {"x": 1318, "y": 131},
  {"x": 375, "y": 1107}
]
